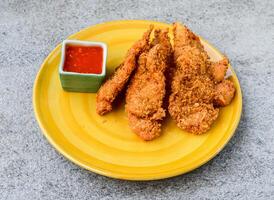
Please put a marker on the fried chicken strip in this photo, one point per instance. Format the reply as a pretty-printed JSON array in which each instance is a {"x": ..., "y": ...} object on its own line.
[
  {"x": 199, "y": 86},
  {"x": 111, "y": 88},
  {"x": 146, "y": 91},
  {"x": 192, "y": 90}
]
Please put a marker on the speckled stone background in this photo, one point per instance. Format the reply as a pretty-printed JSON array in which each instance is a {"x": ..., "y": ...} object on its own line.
[{"x": 30, "y": 168}]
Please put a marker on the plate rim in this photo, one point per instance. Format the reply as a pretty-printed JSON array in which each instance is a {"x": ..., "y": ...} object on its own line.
[{"x": 108, "y": 173}]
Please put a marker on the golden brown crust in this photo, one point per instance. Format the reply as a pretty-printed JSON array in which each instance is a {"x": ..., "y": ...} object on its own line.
[
  {"x": 145, "y": 128},
  {"x": 193, "y": 88},
  {"x": 183, "y": 37},
  {"x": 225, "y": 92},
  {"x": 218, "y": 70},
  {"x": 197, "y": 118},
  {"x": 111, "y": 88},
  {"x": 146, "y": 91}
]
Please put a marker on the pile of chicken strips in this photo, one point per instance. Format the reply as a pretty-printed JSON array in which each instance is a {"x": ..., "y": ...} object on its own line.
[{"x": 160, "y": 78}]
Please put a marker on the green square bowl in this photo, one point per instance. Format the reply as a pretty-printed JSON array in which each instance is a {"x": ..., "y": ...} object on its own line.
[{"x": 81, "y": 82}]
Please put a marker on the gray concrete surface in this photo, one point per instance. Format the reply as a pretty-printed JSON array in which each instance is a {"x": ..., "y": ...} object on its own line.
[{"x": 31, "y": 169}]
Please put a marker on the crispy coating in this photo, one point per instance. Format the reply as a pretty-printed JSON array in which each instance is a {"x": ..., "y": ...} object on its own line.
[
  {"x": 184, "y": 37},
  {"x": 196, "y": 118},
  {"x": 192, "y": 61},
  {"x": 146, "y": 91},
  {"x": 218, "y": 70},
  {"x": 145, "y": 128},
  {"x": 111, "y": 88},
  {"x": 193, "y": 89},
  {"x": 185, "y": 90},
  {"x": 190, "y": 103},
  {"x": 225, "y": 92}
]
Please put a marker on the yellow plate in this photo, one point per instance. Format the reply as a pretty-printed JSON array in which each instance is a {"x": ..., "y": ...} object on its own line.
[{"x": 106, "y": 145}]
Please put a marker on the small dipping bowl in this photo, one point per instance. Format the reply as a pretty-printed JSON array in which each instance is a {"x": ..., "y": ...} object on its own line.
[{"x": 77, "y": 81}]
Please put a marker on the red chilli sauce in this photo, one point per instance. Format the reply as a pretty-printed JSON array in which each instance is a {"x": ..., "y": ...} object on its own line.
[{"x": 83, "y": 59}]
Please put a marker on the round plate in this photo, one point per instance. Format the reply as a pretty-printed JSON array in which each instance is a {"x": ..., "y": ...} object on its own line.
[{"x": 105, "y": 144}]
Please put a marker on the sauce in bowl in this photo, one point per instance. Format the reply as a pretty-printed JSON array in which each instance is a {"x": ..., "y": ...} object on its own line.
[{"x": 83, "y": 59}]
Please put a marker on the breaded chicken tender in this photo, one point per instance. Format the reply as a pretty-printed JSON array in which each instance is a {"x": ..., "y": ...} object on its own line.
[
  {"x": 194, "y": 93},
  {"x": 146, "y": 91},
  {"x": 111, "y": 88}
]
